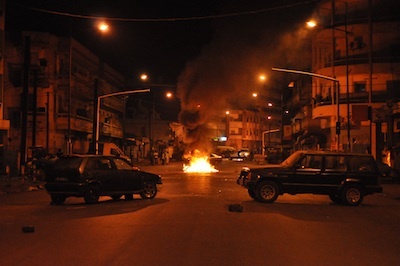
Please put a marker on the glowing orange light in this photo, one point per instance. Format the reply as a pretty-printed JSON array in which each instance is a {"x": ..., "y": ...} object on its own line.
[
  {"x": 311, "y": 23},
  {"x": 169, "y": 94},
  {"x": 103, "y": 26},
  {"x": 143, "y": 77},
  {"x": 255, "y": 94}
]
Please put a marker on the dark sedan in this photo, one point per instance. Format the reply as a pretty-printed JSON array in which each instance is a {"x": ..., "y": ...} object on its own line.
[{"x": 92, "y": 176}]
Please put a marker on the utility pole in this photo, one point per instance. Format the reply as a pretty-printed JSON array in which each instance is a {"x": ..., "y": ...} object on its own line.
[{"x": 24, "y": 100}]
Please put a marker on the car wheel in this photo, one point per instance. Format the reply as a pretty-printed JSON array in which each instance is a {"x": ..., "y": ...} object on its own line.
[
  {"x": 267, "y": 191},
  {"x": 335, "y": 198},
  {"x": 352, "y": 195},
  {"x": 116, "y": 197},
  {"x": 57, "y": 199},
  {"x": 149, "y": 190},
  {"x": 129, "y": 196},
  {"x": 251, "y": 193},
  {"x": 92, "y": 194}
]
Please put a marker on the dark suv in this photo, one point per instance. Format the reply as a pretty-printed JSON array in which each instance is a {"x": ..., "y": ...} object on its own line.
[
  {"x": 91, "y": 176},
  {"x": 345, "y": 177}
]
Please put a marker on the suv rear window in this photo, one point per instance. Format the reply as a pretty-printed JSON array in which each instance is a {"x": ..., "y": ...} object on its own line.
[{"x": 361, "y": 164}]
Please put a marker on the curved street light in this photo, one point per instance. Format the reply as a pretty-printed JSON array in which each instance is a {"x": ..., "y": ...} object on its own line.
[{"x": 98, "y": 110}]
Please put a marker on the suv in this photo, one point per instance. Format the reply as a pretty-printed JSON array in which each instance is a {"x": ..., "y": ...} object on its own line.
[
  {"x": 91, "y": 176},
  {"x": 345, "y": 177}
]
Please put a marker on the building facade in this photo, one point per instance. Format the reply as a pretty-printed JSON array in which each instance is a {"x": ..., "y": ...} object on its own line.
[
  {"x": 357, "y": 43},
  {"x": 51, "y": 87}
]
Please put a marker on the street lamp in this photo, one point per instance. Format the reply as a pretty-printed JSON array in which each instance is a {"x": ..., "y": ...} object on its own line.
[
  {"x": 323, "y": 77},
  {"x": 313, "y": 24},
  {"x": 98, "y": 110}
]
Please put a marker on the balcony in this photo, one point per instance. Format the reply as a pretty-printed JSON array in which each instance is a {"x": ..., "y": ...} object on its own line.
[{"x": 78, "y": 123}]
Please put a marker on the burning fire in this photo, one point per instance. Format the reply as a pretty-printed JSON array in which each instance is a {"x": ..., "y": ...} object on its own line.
[{"x": 199, "y": 165}]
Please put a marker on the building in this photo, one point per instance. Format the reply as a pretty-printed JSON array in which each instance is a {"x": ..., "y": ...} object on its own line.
[
  {"x": 4, "y": 123},
  {"x": 50, "y": 95},
  {"x": 358, "y": 45}
]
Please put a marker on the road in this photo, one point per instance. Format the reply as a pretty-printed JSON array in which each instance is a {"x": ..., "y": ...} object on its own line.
[{"x": 189, "y": 223}]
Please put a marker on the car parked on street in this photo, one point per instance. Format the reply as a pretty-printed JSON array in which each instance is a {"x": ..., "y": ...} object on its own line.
[
  {"x": 92, "y": 176},
  {"x": 345, "y": 177}
]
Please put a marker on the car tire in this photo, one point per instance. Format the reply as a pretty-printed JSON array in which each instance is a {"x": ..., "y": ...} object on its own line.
[
  {"x": 57, "y": 199},
  {"x": 352, "y": 195},
  {"x": 335, "y": 198},
  {"x": 252, "y": 193},
  {"x": 116, "y": 197},
  {"x": 267, "y": 191},
  {"x": 149, "y": 190},
  {"x": 128, "y": 196},
  {"x": 92, "y": 194}
]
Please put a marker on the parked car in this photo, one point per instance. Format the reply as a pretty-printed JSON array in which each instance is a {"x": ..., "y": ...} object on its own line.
[
  {"x": 345, "y": 177},
  {"x": 92, "y": 176},
  {"x": 240, "y": 155},
  {"x": 215, "y": 159}
]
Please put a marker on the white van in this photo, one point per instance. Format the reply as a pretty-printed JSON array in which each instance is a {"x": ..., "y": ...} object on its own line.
[{"x": 109, "y": 148}]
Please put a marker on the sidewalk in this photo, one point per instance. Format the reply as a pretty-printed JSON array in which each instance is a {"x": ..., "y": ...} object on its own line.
[{"x": 18, "y": 184}]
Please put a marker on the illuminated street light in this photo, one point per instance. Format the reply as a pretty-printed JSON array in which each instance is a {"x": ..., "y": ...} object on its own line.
[
  {"x": 262, "y": 77},
  {"x": 255, "y": 94},
  {"x": 312, "y": 24},
  {"x": 169, "y": 95},
  {"x": 103, "y": 26},
  {"x": 144, "y": 77}
]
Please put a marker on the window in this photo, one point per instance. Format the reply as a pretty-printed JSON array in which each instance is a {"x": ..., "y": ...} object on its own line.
[
  {"x": 393, "y": 89},
  {"x": 311, "y": 161},
  {"x": 122, "y": 165},
  {"x": 335, "y": 163},
  {"x": 360, "y": 86}
]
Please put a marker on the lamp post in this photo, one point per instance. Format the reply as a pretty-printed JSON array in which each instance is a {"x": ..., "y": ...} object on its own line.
[
  {"x": 323, "y": 77},
  {"x": 98, "y": 110},
  {"x": 312, "y": 24}
]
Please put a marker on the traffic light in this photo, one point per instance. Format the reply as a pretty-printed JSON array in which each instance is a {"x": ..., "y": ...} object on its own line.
[{"x": 337, "y": 128}]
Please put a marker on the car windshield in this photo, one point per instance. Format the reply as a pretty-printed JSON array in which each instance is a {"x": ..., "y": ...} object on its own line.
[
  {"x": 292, "y": 159},
  {"x": 68, "y": 163}
]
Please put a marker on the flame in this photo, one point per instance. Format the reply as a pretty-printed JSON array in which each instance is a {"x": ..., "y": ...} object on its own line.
[{"x": 199, "y": 165}]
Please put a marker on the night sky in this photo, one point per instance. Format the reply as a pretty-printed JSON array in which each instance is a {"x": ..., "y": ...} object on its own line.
[
  {"x": 208, "y": 49},
  {"x": 145, "y": 36}
]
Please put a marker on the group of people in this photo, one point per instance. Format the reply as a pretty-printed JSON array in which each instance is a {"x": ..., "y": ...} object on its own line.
[{"x": 155, "y": 157}]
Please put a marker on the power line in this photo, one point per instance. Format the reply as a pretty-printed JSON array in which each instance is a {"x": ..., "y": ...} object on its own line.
[{"x": 252, "y": 12}]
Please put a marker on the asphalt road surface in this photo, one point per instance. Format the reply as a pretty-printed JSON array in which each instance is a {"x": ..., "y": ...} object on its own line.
[{"x": 189, "y": 223}]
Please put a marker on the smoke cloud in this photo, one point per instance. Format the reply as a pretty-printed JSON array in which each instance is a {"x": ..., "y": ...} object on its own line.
[{"x": 226, "y": 73}]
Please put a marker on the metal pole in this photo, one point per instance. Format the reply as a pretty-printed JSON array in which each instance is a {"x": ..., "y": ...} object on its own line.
[
  {"x": 370, "y": 76},
  {"x": 347, "y": 80},
  {"x": 69, "y": 142},
  {"x": 97, "y": 128},
  {"x": 323, "y": 77}
]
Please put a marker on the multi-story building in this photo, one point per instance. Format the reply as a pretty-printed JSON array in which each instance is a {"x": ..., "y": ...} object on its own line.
[
  {"x": 357, "y": 43},
  {"x": 4, "y": 123},
  {"x": 51, "y": 88}
]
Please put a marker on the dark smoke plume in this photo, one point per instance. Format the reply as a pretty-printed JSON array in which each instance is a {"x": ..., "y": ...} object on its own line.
[{"x": 226, "y": 73}]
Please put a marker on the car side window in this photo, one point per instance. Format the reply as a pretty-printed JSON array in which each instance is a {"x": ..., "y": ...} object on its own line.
[
  {"x": 311, "y": 161},
  {"x": 105, "y": 164},
  {"x": 122, "y": 164},
  {"x": 92, "y": 164},
  {"x": 361, "y": 164},
  {"x": 335, "y": 163}
]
